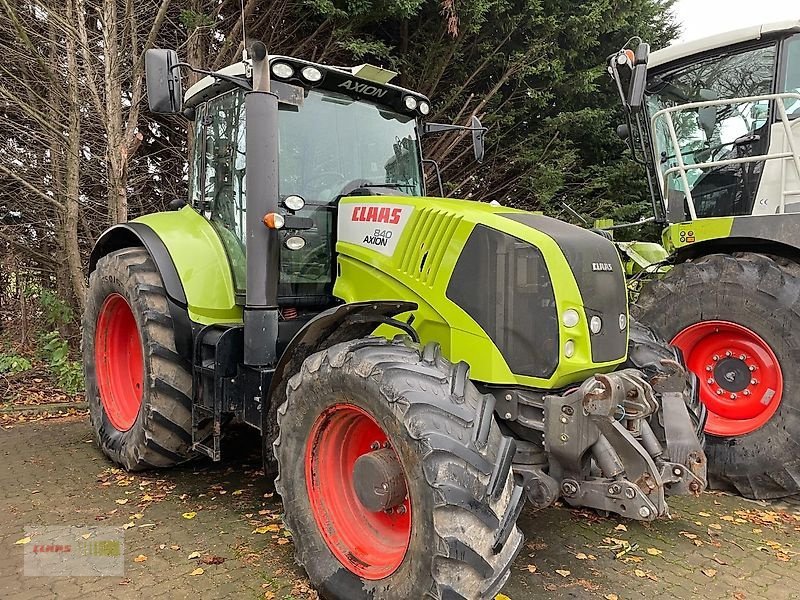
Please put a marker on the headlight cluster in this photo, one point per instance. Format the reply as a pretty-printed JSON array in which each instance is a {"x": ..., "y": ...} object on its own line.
[
  {"x": 412, "y": 103},
  {"x": 283, "y": 70}
]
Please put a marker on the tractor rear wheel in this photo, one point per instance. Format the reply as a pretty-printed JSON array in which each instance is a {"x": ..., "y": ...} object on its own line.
[
  {"x": 396, "y": 480},
  {"x": 138, "y": 388},
  {"x": 737, "y": 320}
]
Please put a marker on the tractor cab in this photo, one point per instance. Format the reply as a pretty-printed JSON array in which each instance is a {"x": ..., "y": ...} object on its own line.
[{"x": 717, "y": 123}]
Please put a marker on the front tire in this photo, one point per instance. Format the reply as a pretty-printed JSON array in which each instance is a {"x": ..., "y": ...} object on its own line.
[
  {"x": 453, "y": 535},
  {"x": 138, "y": 387},
  {"x": 737, "y": 320}
]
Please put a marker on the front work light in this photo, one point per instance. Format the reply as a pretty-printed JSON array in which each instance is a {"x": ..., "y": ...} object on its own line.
[
  {"x": 410, "y": 102},
  {"x": 282, "y": 70},
  {"x": 312, "y": 74}
]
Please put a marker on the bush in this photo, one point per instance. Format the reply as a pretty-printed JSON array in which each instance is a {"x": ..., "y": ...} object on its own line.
[
  {"x": 68, "y": 373},
  {"x": 13, "y": 364}
]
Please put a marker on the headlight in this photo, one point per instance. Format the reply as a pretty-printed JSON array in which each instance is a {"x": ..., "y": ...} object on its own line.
[
  {"x": 295, "y": 242},
  {"x": 569, "y": 348},
  {"x": 595, "y": 324},
  {"x": 294, "y": 202},
  {"x": 312, "y": 74},
  {"x": 623, "y": 321},
  {"x": 570, "y": 318},
  {"x": 282, "y": 70},
  {"x": 410, "y": 102},
  {"x": 424, "y": 108}
]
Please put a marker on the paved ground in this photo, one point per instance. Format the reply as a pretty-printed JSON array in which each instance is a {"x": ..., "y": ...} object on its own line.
[{"x": 51, "y": 474}]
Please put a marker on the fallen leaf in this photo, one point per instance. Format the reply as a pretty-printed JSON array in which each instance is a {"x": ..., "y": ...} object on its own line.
[
  {"x": 212, "y": 560},
  {"x": 611, "y": 597},
  {"x": 726, "y": 518},
  {"x": 531, "y": 568},
  {"x": 198, "y": 571},
  {"x": 24, "y": 540},
  {"x": 715, "y": 526},
  {"x": 194, "y": 555},
  {"x": 704, "y": 514},
  {"x": 189, "y": 515},
  {"x": 267, "y": 528},
  {"x": 639, "y": 573},
  {"x": 86, "y": 536},
  {"x": 621, "y": 527},
  {"x": 708, "y": 572},
  {"x": 140, "y": 558},
  {"x": 237, "y": 493},
  {"x": 581, "y": 556},
  {"x": 121, "y": 501},
  {"x": 128, "y": 525},
  {"x": 563, "y": 572},
  {"x": 757, "y": 530},
  {"x": 688, "y": 535},
  {"x": 498, "y": 597},
  {"x": 282, "y": 541},
  {"x": 654, "y": 551},
  {"x": 175, "y": 547}
]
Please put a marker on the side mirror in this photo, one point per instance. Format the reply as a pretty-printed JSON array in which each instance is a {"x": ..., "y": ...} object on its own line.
[
  {"x": 623, "y": 131},
  {"x": 478, "y": 132},
  {"x": 163, "y": 78},
  {"x": 638, "y": 78}
]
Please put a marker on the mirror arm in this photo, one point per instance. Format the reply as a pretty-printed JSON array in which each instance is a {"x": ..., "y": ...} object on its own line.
[
  {"x": 238, "y": 81},
  {"x": 430, "y": 128}
]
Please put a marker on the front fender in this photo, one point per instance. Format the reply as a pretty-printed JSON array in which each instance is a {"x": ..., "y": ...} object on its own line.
[{"x": 190, "y": 256}]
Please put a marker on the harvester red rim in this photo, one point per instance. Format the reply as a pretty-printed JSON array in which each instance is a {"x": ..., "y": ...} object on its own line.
[
  {"x": 741, "y": 382},
  {"x": 372, "y": 545},
  {"x": 119, "y": 362}
]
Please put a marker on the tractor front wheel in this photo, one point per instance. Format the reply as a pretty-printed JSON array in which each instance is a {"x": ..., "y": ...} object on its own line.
[
  {"x": 395, "y": 477},
  {"x": 137, "y": 386},
  {"x": 737, "y": 320}
]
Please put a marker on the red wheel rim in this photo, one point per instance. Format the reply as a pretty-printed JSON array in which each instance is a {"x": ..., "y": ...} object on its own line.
[
  {"x": 371, "y": 545},
  {"x": 741, "y": 382},
  {"x": 119, "y": 362}
]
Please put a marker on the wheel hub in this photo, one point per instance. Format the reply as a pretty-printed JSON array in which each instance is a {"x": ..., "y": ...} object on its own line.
[
  {"x": 741, "y": 382},
  {"x": 732, "y": 374},
  {"x": 379, "y": 481}
]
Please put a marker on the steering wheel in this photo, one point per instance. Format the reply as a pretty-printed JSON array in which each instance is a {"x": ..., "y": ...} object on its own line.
[{"x": 330, "y": 179}]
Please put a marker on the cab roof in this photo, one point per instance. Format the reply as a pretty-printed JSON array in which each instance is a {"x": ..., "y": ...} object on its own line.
[{"x": 756, "y": 32}]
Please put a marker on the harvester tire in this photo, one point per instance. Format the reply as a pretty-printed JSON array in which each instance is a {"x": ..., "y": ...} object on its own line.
[
  {"x": 138, "y": 387},
  {"x": 737, "y": 319},
  {"x": 454, "y": 535}
]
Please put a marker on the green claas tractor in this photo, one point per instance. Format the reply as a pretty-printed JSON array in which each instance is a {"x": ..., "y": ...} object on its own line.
[
  {"x": 715, "y": 123},
  {"x": 417, "y": 367}
]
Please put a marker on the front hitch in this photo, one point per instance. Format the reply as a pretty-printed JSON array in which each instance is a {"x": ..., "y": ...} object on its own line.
[{"x": 619, "y": 445}]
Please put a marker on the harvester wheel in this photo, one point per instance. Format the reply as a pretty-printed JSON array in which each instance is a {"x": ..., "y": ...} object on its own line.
[
  {"x": 138, "y": 388},
  {"x": 737, "y": 320},
  {"x": 395, "y": 477}
]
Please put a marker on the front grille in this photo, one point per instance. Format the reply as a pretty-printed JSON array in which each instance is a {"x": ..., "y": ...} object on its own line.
[{"x": 503, "y": 284}]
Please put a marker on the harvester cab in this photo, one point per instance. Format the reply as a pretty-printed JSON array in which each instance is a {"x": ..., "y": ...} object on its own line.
[
  {"x": 715, "y": 125},
  {"x": 417, "y": 366}
]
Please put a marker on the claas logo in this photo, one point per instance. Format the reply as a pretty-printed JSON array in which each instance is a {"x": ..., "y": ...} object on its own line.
[{"x": 377, "y": 214}]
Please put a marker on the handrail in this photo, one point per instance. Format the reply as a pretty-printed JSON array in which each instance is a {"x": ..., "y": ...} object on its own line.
[{"x": 681, "y": 167}]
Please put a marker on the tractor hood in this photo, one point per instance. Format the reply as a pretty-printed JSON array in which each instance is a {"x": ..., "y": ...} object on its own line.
[{"x": 527, "y": 299}]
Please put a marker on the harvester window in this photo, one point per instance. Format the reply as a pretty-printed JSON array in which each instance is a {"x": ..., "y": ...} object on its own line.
[{"x": 715, "y": 132}]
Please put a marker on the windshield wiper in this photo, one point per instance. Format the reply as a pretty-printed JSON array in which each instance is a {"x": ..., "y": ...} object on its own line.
[{"x": 388, "y": 184}]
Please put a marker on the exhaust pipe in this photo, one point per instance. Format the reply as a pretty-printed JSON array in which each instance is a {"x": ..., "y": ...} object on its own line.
[{"x": 262, "y": 243}]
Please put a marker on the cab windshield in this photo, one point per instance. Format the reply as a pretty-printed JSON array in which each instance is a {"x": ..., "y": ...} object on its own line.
[{"x": 333, "y": 144}]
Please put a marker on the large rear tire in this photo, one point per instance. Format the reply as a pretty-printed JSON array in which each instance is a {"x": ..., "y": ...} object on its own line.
[
  {"x": 737, "y": 320},
  {"x": 138, "y": 387},
  {"x": 453, "y": 535}
]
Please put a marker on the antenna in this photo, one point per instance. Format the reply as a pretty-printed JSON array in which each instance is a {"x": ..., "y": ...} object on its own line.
[{"x": 244, "y": 31}]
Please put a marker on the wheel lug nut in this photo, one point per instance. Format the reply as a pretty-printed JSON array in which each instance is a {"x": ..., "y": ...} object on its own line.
[
  {"x": 386, "y": 444},
  {"x": 754, "y": 382},
  {"x": 715, "y": 358},
  {"x": 719, "y": 392},
  {"x": 729, "y": 353},
  {"x": 401, "y": 510},
  {"x": 752, "y": 367},
  {"x": 708, "y": 367},
  {"x": 733, "y": 396},
  {"x": 709, "y": 381},
  {"x": 374, "y": 446},
  {"x": 742, "y": 357},
  {"x": 746, "y": 392}
]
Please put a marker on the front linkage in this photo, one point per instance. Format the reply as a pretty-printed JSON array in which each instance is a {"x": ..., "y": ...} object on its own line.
[{"x": 620, "y": 443}]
